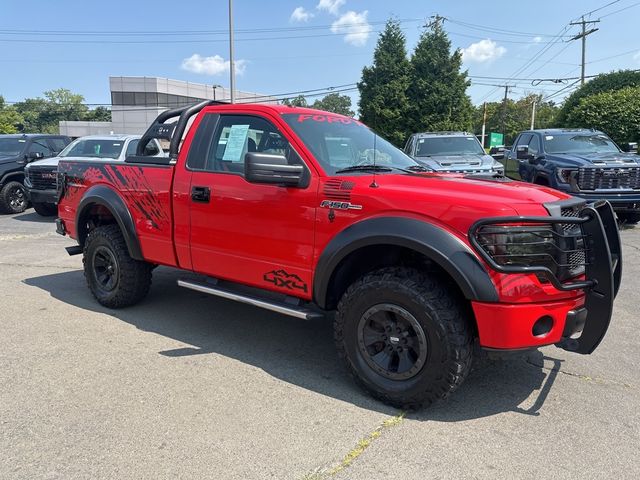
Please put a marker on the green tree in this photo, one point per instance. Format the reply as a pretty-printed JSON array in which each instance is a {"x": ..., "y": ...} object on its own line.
[
  {"x": 42, "y": 115},
  {"x": 605, "y": 82},
  {"x": 299, "y": 101},
  {"x": 336, "y": 103},
  {"x": 383, "y": 88},
  {"x": 10, "y": 120},
  {"x": 438, "y": 91},
  {"x": 98, "y": 114},
  {"x": 615, "y": 112},
  {"x": 518, "y": 116}
]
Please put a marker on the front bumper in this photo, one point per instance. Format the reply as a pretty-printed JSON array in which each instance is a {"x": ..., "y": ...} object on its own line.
[
  {"x": 517, "y": 326},
  {"x": 42, "y": 196},
  {"x": 629, "y": 201}
]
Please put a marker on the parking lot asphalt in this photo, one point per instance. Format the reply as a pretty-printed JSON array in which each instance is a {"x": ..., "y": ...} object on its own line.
[{"x": 185, "y": 385}]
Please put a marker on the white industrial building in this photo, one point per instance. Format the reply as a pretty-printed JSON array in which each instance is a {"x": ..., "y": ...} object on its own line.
[{"x": 137, "y": 101}]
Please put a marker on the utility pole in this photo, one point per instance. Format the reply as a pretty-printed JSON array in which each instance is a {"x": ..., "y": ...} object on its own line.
[
  {"x": 533, "y": 114},
  {"x": 583, "y": 36},
  {"x": 232, "y": 73},
  {"x": 484, "y": 122},
  {"x": 504, "y": 111}
]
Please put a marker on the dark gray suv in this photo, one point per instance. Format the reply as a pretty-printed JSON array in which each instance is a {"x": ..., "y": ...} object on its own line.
[{"x": 451, "y": 152}]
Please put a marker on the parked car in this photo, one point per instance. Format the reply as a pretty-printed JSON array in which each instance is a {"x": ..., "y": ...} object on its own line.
[
  {"x": 498, "y": 152},
  {"x": 581, "y": 162},
  {"x": 41, "y": 175},
  {"x": 458, "y": 152},
  {"x": 15, "y": 152},
  {"x": 418, "y": 266}
]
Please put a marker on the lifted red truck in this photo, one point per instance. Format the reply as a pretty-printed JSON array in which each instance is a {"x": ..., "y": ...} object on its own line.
[{"x": 306, "y": 213}]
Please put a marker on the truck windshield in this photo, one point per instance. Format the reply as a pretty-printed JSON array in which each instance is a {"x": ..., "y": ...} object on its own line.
[
  {"x": 432, "y": 146},
  {"x": 92, "y": 147},
  {"x": 11, "y": 146},
  {"x": 340, "y": 143},
  {"x": 581, "y": 143}
]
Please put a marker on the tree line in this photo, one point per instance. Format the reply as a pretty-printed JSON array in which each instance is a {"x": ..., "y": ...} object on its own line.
[{"x": 43, "y": 114}]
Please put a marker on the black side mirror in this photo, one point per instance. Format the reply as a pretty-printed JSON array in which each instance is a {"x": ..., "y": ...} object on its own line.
[
  {"x": 273, "y": 169},
  {"x": 522, "y": 153},
  {"x": 31, "y": 156},
  {"x": 630, "y": 147}
]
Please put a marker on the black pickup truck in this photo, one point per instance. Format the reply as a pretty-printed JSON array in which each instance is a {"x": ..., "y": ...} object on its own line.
[{"x": 15, "y": 152}]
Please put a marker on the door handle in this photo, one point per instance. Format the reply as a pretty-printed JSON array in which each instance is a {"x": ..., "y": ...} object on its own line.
[{"x": 200, "y": 194}]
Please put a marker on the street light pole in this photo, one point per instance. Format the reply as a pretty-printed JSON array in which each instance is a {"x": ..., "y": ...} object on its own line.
[{"x": 232, "y": 72}]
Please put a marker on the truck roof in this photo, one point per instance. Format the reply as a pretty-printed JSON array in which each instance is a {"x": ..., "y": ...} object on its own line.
[
  {"x": 443, "y": 134},
  {"x": 122, "y": 137},
  {"x": 31, "y": 135},
  {"x": 562, "y": 131}
]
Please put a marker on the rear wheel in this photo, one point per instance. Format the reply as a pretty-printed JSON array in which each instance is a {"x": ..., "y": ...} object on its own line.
[
  {"x": 45, "y": 209},
  {"x": 629, "y": 218},
  {"x": 13, "y": 198},
  {"x": 114, "y": 278},
  {"x": 404, "y": 336}
]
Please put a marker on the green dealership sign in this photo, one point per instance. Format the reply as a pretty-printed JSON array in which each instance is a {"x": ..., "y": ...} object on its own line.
[{"x": 496, "y": 139}]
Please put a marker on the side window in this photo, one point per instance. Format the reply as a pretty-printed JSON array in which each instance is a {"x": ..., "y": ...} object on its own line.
[
  {"x": 408, "y": 149},
  {"x": 534, "y": 146},
  {"x": 131, "y": 148},
  {"x": 237, "y": 135},
  {"x": 40, "y": 145},
  {"x": 523, "y": 140},
  {"x": 57, "y": 145}
]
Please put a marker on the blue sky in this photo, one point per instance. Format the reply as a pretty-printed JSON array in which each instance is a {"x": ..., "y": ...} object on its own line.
[{"x": 335, "y": 39}]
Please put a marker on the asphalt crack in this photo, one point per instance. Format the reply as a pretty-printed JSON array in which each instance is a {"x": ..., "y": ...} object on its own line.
[
  {"x": 578, "y": 375},
  {"x": 360, "y": 447}
]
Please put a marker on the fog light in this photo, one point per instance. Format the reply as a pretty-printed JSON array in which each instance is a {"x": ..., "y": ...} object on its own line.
[{"x": 542, "y": 326}]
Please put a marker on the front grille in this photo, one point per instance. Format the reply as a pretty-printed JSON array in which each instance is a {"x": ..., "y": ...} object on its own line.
[
  {"x": 42, "y": 178},
  {"x": 574, "y": 245},
  {"x": 616, "y": 178}
]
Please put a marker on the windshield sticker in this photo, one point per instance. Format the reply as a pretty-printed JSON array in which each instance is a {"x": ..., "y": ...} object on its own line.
[
  {"x": 21, "y": 141},
  {"x": 235, "y": 143},
  {"x": 328, "y": 119},
  {"x": 421, "y": 140},
  {"x": 549, "y": 137}
]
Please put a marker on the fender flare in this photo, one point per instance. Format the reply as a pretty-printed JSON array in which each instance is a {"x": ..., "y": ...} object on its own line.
[
  {"x": 447, "y": 251},
  {"x": 8, "y": 177},
  {"x": 109, "y": 199}
]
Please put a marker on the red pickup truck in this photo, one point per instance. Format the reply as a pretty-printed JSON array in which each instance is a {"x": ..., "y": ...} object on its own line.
[{"x": 308, "y": 213}]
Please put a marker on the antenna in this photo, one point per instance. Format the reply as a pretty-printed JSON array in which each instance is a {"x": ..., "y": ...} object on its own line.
[{"x": 373, "y": 183}]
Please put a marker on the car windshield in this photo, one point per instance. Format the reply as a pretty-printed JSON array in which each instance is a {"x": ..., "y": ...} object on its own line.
[
  {"x": 340, "y": 143},
  {"x": 430, "y": 146},
  {"x": 579, "y": 143},
  {"x": 11, "y": 146},
  {"x": 94, "y": 148}
]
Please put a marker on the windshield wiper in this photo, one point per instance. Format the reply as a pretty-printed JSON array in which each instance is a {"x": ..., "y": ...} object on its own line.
[
  {"x": 417, "y": 168},
  {"x": 365, "y": 168}
]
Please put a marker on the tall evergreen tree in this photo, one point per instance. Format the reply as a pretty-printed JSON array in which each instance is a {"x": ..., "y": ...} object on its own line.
[
  {"x": 383, "y": 87},
  {"x": 438, "y": 91}
]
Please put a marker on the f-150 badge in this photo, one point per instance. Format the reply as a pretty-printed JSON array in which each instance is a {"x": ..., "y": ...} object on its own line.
[{"x": 340, "y": 205}]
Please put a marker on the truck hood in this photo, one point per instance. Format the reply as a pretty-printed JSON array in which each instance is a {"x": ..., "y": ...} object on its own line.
[
  {"x": 612, "y": 159},
  {"x": 452, "y": 199},
  {"x": 9, "y": 159},
  {"x": 457, "y": 163},
  {"x": 46, "y": 162}
]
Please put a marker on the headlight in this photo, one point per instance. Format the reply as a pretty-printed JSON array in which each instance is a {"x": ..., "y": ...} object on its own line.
[
  {"x": 565, "y": 175},
  {"x": 560, "y": 249}
]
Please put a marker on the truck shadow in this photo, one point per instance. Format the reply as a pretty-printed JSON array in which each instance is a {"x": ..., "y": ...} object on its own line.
[
  {"x": 298, "y": 352},
  {"x": 32, "y": 216}
]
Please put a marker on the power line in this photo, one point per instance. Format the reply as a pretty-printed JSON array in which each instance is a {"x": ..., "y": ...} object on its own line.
[{"x": 621, "y": 10}]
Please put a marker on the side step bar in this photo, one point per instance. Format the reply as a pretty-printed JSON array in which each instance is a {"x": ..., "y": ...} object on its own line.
[{"x": 275, "y": 306}]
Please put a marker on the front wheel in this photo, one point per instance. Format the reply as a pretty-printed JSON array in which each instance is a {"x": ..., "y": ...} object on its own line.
[
  {"x": 45, "y": 209},
  {"x": 114, "y": 278},
  {"x": 404, "y": 336},
  {"x": 13, "y": 198}
]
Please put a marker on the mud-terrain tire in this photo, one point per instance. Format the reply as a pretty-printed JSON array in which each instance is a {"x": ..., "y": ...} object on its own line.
[
  {"x": 405, "y": 336},
  {"x": 629, "y": 218},
  {"x": 115, "y": 279},
  {"x": 13, "y": 198},
  {"x": 45, "y": 209}
]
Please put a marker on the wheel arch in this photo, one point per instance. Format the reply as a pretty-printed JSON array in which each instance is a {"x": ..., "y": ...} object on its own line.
[
  {"x": 369, "y": 239},
  {"x": 11, "y": 177},
  {"x": 100, "y": 197}
]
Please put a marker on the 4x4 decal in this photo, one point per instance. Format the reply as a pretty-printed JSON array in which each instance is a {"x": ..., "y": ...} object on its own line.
[{"x": 280, "y": 278}]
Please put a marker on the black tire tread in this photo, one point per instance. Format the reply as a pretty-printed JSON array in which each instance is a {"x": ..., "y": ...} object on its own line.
[
  {"x": 135, "y": 275},
  {"x": 445, "y": 308},
  {"x": 5, "y": 207}
]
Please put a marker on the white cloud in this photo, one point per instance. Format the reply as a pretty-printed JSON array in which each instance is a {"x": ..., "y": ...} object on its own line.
[
  {"x": 483, "y": 51},
  {"x": 300, "y": 15},
  {"x": 354, "y": 26},
  {"x": 537, "y": 39},
  {"x": 215, "y": 65},
  {"x": 331, "y": 6}
]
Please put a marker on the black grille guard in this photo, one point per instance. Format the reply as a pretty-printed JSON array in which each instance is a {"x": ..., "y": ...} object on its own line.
[{"x": 603, "y": 270}]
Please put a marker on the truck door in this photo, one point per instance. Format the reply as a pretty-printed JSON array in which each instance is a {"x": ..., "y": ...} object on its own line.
[{"x": 256, "y": 234}]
